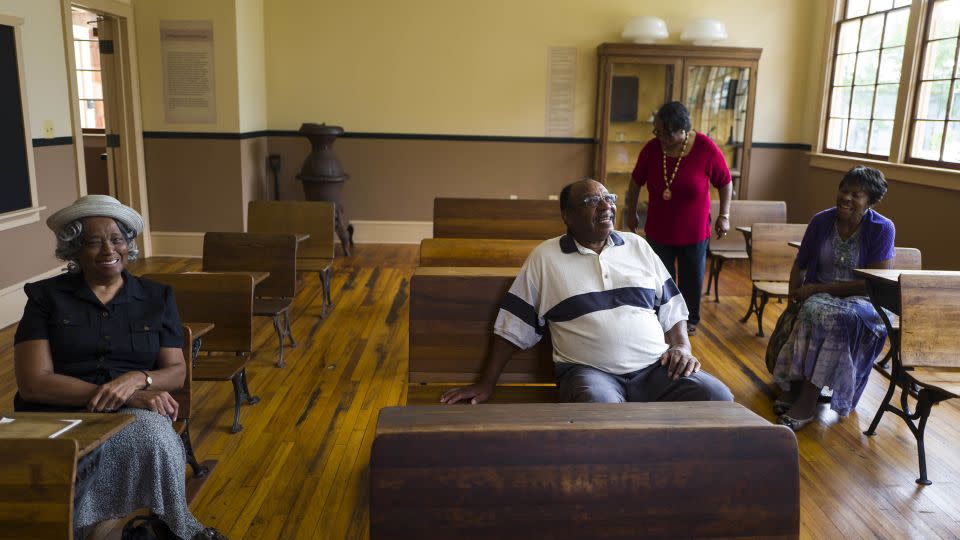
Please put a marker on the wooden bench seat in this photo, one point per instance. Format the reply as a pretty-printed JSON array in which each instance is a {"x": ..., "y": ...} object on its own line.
[
  {"x": 520, "y": 219},
  {"x": 452, "y": 311},
  {"x": 477, "y": 252},
  {"x": 582, "y": 470}
]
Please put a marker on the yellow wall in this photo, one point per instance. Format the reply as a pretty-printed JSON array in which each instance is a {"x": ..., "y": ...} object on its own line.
[
  {"x": 148, "y": 14},
  {"x": 44, "y": 64},
  {"x": 251, "y": 71},
  {"x": 467, "y": 67}
]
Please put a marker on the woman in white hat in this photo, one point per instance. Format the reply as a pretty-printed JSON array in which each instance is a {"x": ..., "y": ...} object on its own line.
[{"x": 100, "y": 339}]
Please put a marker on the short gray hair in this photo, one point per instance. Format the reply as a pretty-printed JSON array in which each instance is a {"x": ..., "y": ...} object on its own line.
[{"x": 70, "y": 241}]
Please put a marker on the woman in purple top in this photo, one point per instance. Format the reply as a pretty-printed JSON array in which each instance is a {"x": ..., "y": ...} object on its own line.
[
  {"x": 838, "y": 334},
  {"x": 678, "y": 166}
]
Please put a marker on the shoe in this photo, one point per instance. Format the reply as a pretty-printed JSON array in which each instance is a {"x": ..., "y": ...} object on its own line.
[
  {"x": 793, "y": 423},
  {"x": 209, "y": 534},
  {"x": 780, "y": 407}
]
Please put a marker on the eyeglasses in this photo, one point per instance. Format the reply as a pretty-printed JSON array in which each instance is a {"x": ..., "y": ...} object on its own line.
[
  {"x": 594, "y": 200},
  {"x": 658, "y": 133}
]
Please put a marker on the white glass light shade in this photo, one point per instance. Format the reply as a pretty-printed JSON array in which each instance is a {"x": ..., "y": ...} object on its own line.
[
  {"x": 704, "y": 31},
  {"x": 644, "y": 29}
]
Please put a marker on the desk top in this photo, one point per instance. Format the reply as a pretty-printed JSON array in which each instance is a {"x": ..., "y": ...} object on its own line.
[
  {"x": 467, "y": 271},
  {"x": 746, "y": 229},
  {"x": 301, "y": 237},
  {"x": 565, "y": 416},
  {"x": 794, "y": 244},
  {"x": 892, "y": 276},
  {"x": 258, "y": 277},
  {"x": 94, "y": 429},
  {"x": 199, "y": 329}
]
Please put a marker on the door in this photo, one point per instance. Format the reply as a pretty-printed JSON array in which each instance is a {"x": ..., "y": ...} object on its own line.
[{"x": 632, "y": 91}]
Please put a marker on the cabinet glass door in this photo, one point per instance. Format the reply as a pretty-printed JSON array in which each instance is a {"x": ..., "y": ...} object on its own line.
[
  {"x": 716, "y": 97},
  {"x": 636, "y": 92}
]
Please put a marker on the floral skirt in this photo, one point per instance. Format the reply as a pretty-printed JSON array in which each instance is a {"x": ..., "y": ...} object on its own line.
[{"x": 834, "y": 343}]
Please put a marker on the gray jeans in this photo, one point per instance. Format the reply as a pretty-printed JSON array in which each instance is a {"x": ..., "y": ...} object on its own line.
[{"x": 584, "y": 384}]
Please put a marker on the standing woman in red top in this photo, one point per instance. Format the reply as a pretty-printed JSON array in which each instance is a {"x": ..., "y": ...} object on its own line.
[{"x": 678, "y": 167}]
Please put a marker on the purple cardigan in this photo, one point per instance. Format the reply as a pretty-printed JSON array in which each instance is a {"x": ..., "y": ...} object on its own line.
[{"x": 876, "y": 240}]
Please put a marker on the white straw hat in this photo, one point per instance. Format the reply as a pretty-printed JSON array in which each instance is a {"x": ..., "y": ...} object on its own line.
[{"x": 96, "y": 205}]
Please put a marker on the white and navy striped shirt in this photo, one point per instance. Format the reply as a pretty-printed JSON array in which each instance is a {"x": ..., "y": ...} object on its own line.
[{"x": 607, "y": 310}]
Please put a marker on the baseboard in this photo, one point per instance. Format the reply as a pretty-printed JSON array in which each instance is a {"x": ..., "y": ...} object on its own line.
[
  {"x": 12, "y": 298},
  {"x": 391, "y": 232},
  {"x": 177, "y": 244}
]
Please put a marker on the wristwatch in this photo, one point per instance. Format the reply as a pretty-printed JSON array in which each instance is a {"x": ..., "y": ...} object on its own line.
[{"x": 149, "y": 380}]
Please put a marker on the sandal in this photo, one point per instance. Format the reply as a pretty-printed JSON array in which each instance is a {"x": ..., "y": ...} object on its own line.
[
  {"x": 793, "y": 423},
  {"x": 780, "y": 407}
]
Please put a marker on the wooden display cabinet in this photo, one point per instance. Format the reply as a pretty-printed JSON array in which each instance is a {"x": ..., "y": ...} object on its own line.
[{"x": 717, "y": 84}]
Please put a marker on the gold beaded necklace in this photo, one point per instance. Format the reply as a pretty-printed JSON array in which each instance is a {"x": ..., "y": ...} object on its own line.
[{"x": 667, "y": 194}]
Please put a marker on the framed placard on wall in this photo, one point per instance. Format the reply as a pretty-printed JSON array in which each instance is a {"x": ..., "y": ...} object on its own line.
[{"x": 18, "y": 199}]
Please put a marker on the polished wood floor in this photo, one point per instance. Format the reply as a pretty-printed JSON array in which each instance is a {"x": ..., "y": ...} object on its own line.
[{"x": 299, "y": 468}]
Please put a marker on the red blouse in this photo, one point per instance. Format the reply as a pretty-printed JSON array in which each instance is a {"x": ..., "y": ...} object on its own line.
[{"x": 685, "y": 218}]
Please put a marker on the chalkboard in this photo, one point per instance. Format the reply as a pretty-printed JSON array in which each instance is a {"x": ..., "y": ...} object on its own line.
[{"x": 14, "y": 172}]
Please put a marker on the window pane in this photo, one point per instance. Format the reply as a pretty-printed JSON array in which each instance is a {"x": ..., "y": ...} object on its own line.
[
  {"x": 954, "y": 113},
  {"x": 938, "y": 62},
  {"x": 951, "y": 146},
  {"x": 840, "y": 102},
  {"x": 87, "y": 54},
  {"x": 89, "y": 86},
  {"x": 881, "y": 132},
  {"x": 862, "y": 103},
  {"x": 856, "y": 8},
  {"x": 891, "y": 61},
  {"x": 866, "y": 67},
  {"x": 880, "y": 5},
  {"x": 926, "y": 140},
  {"x": 849, "y": 35},
  {"x": 91, "y": 114},
  {"x": 886, "y": 103},
  {"x": 871, "y": 31},
  {"x": 932, "y": 100},
  {"x": 836, "y": 133},
  {"x": 844, "y": 71},
  {"x": 857, "y": 140},
  {"x": 945, "y": 19},
  {"x": 901, "y": 3},
  {"x": 895, "y": 33}
]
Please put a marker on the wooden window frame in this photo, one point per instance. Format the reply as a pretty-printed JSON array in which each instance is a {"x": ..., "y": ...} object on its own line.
[
  {"x": 922, "y": 56},
  {"x": 841, "y": 5},
  {"x": 895, "y": 166}
]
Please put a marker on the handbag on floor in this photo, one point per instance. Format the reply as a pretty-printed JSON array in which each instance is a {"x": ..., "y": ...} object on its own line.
[
  {"x": 146, "y": 528},
  {"x": 781, "y": 332}
]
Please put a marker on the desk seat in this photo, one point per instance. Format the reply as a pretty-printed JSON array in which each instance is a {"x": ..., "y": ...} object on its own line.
[
  {"x": 218, "y": 367},
  {"x": 773, "y": 288},
  {"x": 947, "y": 381}
]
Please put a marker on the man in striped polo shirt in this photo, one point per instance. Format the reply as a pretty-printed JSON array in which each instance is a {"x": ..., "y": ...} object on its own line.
[{"x": 617, "y": 321}]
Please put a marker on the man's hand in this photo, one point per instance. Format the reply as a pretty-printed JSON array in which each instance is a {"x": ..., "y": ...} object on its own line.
[
  {"x": 476, "y": 393},
  {"x": 112, "y": 395},
  {"x": 158, "y": 401},
  {"x": 722, "y": 226},
  {"x": 679, "y": 363}
]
